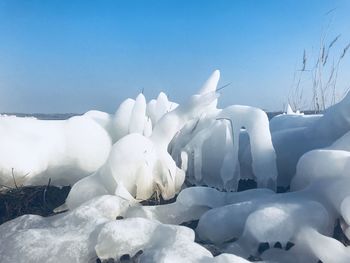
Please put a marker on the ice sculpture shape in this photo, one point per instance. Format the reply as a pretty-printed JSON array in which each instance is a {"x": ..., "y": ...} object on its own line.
[
  {"x": 156, "y": 109},
  {"x": 213, "y": 143},
  {"x": 142, "y": 165},
  {"x": 137, "y": 116}
]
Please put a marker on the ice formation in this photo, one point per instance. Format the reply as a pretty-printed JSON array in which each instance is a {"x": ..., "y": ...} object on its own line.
[
  {"x": 137, "y": 116},
  {"x": 320, "y": 131},
  {"x": 292, "y": 121},
  {"x": 92, "y": 231},
  {"x": 69, "y": 237},
  {"x": 155, "y": 145},
  {"x": 141, "y": 166},
  {"x": 65, "y": 151},
  {"x": 235, "y": 141},
  {"x": 192, "y": 203},
  {"x": 35, "y": 150}
]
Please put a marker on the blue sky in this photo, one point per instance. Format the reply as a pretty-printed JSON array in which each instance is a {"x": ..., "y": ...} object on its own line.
[{"x": 72, "y": 56}]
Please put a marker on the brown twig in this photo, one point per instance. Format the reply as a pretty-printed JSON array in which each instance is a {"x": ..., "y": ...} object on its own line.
[{"x": 222, "y": 87}]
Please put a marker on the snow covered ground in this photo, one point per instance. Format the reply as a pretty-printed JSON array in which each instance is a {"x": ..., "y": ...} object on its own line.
[{"x": 156, "y": 149}]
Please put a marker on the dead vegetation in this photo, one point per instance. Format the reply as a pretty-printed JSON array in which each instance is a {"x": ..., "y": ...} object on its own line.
[
  {"x": 318, "y": 75},
  {"x": 38, "y": 200}
]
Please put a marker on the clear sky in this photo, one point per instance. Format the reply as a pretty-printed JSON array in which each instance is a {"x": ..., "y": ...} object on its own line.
[{"x": 72, "y": 56}]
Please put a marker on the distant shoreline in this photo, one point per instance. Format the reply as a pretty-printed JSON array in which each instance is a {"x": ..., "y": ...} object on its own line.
[
  {"x": 44, "y": 116},
  {"x": 65, "y": 116}
]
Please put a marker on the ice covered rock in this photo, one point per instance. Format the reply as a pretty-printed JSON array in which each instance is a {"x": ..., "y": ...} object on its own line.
[
  {"x": 159, "y": 243},
  {"x": 91, "y": 231},
  {"x": 131, "y": 117},
  {"x": 122, "y": 118},
  {"x": 256, "y": 124},
  {"x": 63, "y": 150},
  {"x": 327, "y": 249},
  {"x": 261, "y": 217},
  {"x": 134, "y": 164},
  {"x": 138, "y": 116},
  {"x": 290, "y": 110},
  {"x": 102, "y": 118},
  {"x": 290, "y": 144},
  {"x": 226, "y": 258},
  {"x": 156, "y": 109},
  {"x": 305, "y": 216},
  {"x": 215, "y": 147},
  {"x": 192, "y": 203},
  {"x": 210, "y": 86},
  {"x": 142, "y": 165},
  {"x": 67, "y": 237},
  {"x": 286, "y": 121},
  {"x": 297, "y": 253},
  {"x": 324, "y": 173},
  {"x": 229, "y": 140},
  {"x": 268, "y": 219}
]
